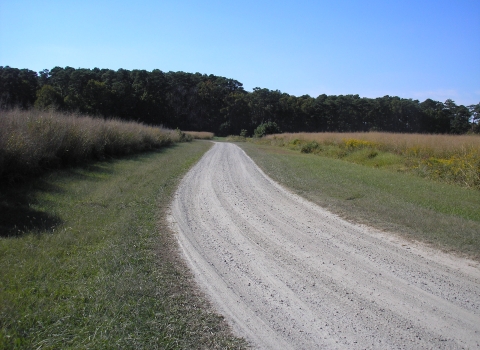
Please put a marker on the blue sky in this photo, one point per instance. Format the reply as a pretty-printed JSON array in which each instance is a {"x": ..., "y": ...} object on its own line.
[{"x": 412, "y": 49}]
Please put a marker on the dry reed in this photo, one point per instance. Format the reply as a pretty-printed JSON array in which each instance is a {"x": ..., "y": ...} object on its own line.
[
  {"x": 200, "y": 135},
  {"x": 32, "y": 141}
]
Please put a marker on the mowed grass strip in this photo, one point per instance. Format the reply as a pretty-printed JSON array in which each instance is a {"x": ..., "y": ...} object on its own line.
[
  {"x": 89, "y": 261},
  {"x": 444, "y": 215}
]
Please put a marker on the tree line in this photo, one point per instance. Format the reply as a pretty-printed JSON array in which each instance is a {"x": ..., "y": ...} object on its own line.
[{"x": 194, "y": 101}]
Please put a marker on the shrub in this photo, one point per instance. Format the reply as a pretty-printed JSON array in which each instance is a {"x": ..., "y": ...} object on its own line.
[
  {"x": 310, "y": 147},
  {"x": 266, "y": 129}
]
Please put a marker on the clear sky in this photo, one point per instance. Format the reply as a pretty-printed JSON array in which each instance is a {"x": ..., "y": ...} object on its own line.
[{"x": 412, "y": 49}]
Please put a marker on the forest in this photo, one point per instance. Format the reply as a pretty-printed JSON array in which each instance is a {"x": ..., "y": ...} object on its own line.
[{"x": 201, "y": 102}]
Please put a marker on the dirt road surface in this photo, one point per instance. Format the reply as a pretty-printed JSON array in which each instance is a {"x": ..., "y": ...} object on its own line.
[{"x": 287, "y": 274}]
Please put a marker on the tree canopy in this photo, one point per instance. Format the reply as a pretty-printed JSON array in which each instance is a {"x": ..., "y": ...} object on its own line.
[{"x": 197, "y": 101}]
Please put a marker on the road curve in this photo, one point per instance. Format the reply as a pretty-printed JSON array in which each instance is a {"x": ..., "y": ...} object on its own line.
[{"x": 288, "y": 274}]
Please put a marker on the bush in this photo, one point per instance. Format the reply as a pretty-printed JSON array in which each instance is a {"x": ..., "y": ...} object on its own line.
[
  {"x": 310, "y": 147},
  {"x": 266, "y": 129}
]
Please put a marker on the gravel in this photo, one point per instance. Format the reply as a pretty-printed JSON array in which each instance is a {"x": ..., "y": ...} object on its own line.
[{"x": 287, "y": 274}]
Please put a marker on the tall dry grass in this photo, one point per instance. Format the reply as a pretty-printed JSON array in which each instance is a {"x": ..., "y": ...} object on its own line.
[
  {"x": 32, "y": 141},
  {"x": 200, "y": 135},
  {"x": 421, "y": 144},
  {"x": 450, "y": 158}
]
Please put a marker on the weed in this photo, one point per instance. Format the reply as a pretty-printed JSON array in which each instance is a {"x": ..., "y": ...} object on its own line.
[
  {"x": 372, "y": 154},
  {"x": 354, "y": 144}
]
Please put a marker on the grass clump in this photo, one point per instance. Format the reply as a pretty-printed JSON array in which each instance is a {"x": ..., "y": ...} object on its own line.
[
  {"x": 447, "y": 158},
  {"x": 32, "y": 141},
  {"x": 444, "y": 215},
  {"x": 96, "y": 266},
  {"x": 309, "y": 147}
]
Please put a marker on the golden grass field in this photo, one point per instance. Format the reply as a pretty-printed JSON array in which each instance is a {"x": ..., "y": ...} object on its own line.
[{"x": 450, "y": 158}]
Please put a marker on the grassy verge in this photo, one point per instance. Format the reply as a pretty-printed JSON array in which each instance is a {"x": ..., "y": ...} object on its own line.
[
  {"x": 444, "y": 215},
  {"x": 89, "y": 262},
  {"x": 447, "y": 158}
]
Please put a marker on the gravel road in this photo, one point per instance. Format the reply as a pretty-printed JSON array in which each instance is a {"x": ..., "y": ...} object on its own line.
[{"x": 287, "y": 274}]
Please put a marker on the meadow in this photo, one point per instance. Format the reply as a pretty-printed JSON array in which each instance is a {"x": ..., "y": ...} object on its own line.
[
  {"x": 34, "y": 141},
  {"x": 447, "y": 158}
]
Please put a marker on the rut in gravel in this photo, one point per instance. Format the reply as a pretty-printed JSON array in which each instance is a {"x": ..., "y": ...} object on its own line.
[{"x": 288, "y": 274}]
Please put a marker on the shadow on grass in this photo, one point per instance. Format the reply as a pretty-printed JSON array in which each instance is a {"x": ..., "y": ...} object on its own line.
[
  {"x": 16, "y": 219},
  {"x": 16, "y": 214},
  {"x": 17, "y": 197}
]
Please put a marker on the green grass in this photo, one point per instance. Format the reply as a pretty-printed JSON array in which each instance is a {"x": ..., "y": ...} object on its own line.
[
  {"x": 88, "y": 261},
  {"x": 444, "y": 215},
  {"x": 376, "y": 159},
  {"x": 453, "y": 159}
]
